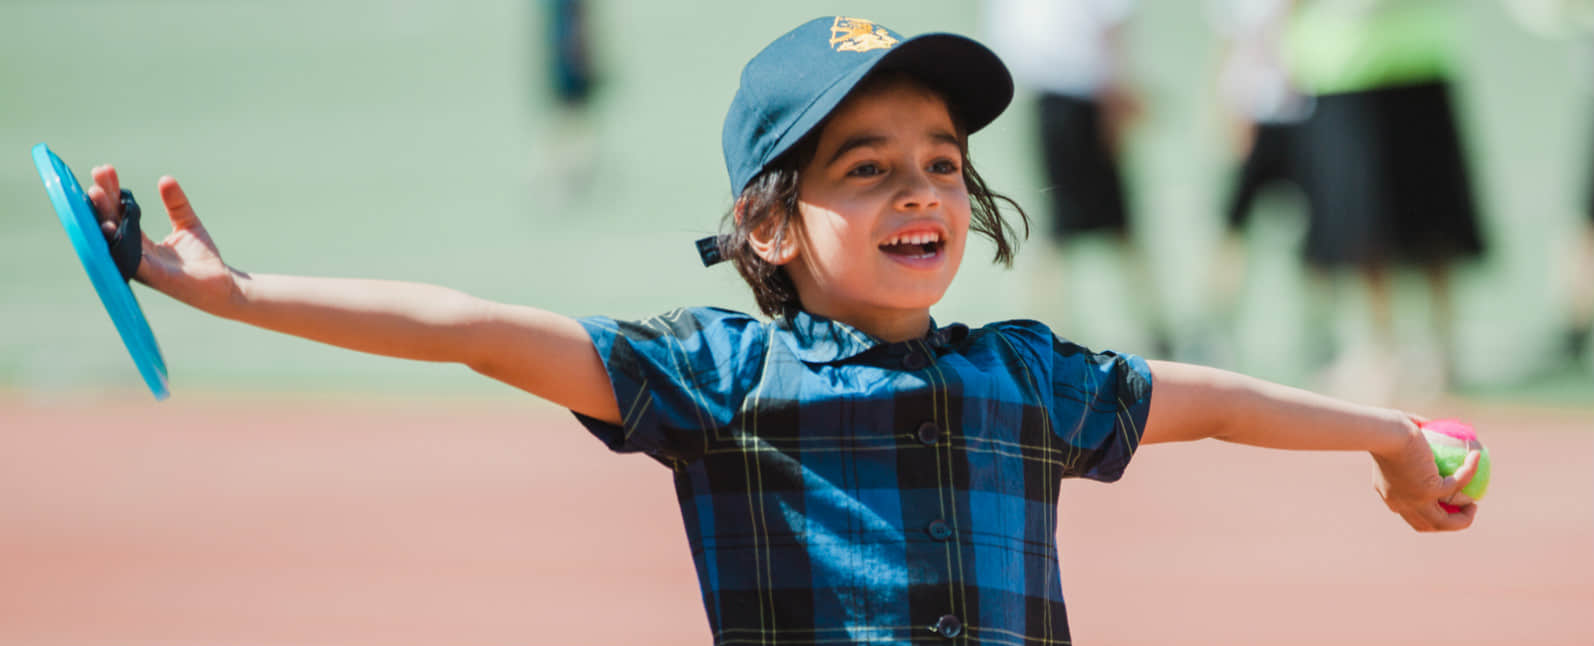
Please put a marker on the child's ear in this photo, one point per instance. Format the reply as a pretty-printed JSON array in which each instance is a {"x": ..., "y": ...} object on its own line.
[{"x": 771, "y": 240}]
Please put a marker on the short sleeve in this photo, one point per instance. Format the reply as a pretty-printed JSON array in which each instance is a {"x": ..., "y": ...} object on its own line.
[
  {"x": 1099, "y": 400},
  {"x": 1100, "y": 403},
  {"x": 677, "y": 378}
]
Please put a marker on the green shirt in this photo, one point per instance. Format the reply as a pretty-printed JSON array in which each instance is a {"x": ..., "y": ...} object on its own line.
[{"x": 1334, "y": 46}]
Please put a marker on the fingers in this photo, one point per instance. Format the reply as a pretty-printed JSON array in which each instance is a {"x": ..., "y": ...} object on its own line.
[
  {"x": 105, "y": 196},
  {"x": 106, "y": 178},
  {"x": 1453, "y": 483},
  {"x": 1432, "y": 518},
  {"x": 1456, "y": 520},
  {"x": 107, "y": 217},
  {"x": 177, "y": 207},
  {"x": 1423, "y": 522},
  {"x": 1435, "y": 517}
]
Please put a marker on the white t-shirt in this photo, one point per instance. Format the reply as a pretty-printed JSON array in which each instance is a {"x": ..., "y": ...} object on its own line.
[
  {"x": 1253, "y": 79},
  {"x": 1057, "y": 46}
]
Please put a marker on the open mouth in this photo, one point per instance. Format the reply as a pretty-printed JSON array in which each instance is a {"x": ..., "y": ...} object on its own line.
[{"x": 914, "y": 245}]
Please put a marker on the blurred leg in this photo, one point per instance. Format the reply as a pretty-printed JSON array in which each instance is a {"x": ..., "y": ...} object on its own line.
[
  {"x": 1213, "y": 340},
  {"x": 1321, "y": 303},
  {"x": 1442, "y": 318},
  {"x": 1145, "y": 300},
  {"x": 1581, "y": 296},
  {"x": 1365, "y": 369}
]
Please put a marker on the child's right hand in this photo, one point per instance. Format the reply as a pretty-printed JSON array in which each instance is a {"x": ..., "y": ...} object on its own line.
[
  {"x": 1410, "y": 483},
  {"x": 185, "y": 265}
]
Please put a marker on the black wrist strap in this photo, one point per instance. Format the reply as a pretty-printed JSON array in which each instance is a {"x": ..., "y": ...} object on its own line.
[{"x": 127, "y": 243}]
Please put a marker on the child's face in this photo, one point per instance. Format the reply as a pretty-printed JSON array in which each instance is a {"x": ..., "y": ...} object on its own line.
[{"x": 884, "y": 211}]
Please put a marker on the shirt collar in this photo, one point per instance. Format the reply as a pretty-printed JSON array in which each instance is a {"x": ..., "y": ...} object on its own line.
[{"x": 816, "y": 339}]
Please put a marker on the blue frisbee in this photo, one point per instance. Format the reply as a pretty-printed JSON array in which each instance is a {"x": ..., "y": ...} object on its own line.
[{"x": 77, "y": 216}]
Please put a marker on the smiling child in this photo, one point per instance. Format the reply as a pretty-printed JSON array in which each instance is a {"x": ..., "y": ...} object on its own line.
[{"x": 848, "y": 469}]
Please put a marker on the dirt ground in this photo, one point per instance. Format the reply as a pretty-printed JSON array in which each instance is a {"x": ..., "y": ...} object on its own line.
[{"x": 261, "y": 521}]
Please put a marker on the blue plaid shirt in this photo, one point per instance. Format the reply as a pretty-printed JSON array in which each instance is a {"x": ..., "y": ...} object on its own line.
[{"x": 839, "y": 489}]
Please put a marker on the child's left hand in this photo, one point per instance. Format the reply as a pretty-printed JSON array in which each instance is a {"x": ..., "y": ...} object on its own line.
[{"x": 1410, "y": 484}]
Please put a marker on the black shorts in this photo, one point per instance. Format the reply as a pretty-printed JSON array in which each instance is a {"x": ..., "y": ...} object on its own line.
[
  {"x": 572, "y": 51},
  {"x": 1083, "y": 184},
  {"x": 1273, "y": 159},
  {"x": 1386, "y": 179}
]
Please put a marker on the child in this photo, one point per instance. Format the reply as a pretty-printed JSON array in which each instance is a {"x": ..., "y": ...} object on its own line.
[{"x": 852, "y": 470}]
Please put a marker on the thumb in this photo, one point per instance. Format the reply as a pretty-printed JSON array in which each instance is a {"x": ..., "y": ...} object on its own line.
[
  {"x": 1469, "y": 467},
  {"x": 177, "y": 207}
]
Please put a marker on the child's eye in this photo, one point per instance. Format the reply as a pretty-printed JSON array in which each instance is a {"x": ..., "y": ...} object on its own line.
[
  {"x": 944, "y": 167},
  {"x": 865, "y": 170}
]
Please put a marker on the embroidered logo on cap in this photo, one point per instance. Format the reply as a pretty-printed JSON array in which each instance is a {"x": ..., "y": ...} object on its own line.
[{"x": 858, "y": 35}]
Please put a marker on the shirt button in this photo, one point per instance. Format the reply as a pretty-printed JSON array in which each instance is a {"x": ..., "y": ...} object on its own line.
[
  {"x": 929, "y": 433},
  {"x": 915, "y": 361},
  {"x": 939, "y": 530},
  {"x": 948, "y": 626}
]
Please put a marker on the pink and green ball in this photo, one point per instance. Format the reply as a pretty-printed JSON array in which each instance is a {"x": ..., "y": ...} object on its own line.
[{"x": 1451, "y": 440}]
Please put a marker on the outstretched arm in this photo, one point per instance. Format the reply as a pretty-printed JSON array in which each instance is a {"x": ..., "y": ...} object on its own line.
[
  {"x": 543, "y": 353},
  {"x": 1195, "y": 402}
]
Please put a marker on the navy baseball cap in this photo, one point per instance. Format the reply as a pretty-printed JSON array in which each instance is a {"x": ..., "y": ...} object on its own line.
[{"x": 796, "y": 81}]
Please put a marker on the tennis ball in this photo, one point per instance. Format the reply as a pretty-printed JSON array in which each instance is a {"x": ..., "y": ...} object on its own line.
[{"x": 1451, "y": 440}]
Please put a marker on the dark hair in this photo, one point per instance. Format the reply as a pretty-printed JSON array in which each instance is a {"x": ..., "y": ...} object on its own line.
[{"x": 770, "y": 200}]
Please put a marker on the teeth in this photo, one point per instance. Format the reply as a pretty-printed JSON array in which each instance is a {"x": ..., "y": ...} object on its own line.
[{"x": 915, "y": 238}]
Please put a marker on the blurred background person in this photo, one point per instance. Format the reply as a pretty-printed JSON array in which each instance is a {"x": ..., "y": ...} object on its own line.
[
  {"x": 1386, "y": 175},
  {"x": 567, "y": 157},
  {"x": 1261, "y": 111},
  {"x": 1071, "y": 53}
]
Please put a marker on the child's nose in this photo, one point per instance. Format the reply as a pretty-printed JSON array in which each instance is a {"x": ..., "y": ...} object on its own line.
[{"x": 917, "y": 192}]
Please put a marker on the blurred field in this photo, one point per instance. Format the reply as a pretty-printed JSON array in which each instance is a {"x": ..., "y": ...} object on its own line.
[{"x": 389, "y": 522}]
